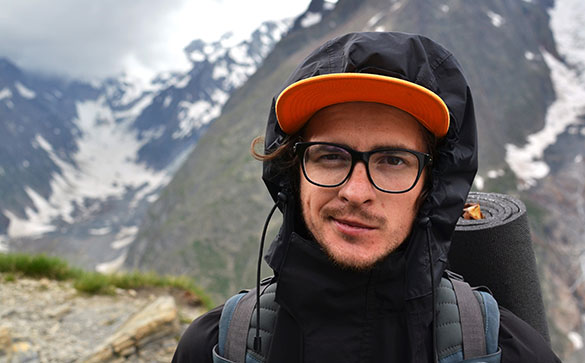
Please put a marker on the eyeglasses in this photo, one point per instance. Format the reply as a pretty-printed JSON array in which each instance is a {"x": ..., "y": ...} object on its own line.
[{"x": 390, "y": 170}]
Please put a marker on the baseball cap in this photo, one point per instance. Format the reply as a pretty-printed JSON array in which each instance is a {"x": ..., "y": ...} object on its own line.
[{"x": 302, "y": 99}]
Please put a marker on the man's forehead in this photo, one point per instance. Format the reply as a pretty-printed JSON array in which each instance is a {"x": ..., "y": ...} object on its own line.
[{"x": 364, "y": 124}]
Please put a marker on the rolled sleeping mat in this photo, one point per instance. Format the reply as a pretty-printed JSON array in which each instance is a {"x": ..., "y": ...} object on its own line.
[{"x": 497, "y": 252}]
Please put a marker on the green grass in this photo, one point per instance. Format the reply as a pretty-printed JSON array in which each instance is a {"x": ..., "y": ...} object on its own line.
[
  {"x": 90, "y": 282},
  {"x": 36, "y": 266}
]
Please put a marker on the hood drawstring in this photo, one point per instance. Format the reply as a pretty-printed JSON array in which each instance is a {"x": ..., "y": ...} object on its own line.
[
  {"x": 426, "y": 222},
  {"x": 282, "y": 198}
]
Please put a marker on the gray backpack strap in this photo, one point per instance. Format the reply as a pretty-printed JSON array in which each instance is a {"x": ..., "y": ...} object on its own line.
[
  {"x": 472, "y": 326},
  {"x": 235, "y": 346},
  {"x": 453, "y": 313},
  {"x": 237, "y": 326}
]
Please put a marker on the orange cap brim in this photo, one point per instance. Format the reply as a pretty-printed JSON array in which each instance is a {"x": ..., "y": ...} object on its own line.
[{"x": 302, "y": 99}]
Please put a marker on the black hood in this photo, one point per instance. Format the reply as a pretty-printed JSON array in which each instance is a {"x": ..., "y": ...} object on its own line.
[{"x": 422, "y": 61}]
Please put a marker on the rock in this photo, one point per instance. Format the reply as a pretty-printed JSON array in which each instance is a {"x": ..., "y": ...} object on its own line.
[
  {"x": 5, "y": 340},
  {"x": 7, "y": 313},
  {"x": 58, "y": 312},
  {"x": 156, "y": 321},
  {"x": 49, "y": 321},
  {"x": 23, "y": 352}
]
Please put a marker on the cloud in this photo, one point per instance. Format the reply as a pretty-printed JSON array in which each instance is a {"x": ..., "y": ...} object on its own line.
[
  {"x": 83, "y": 38},
  {"x": 92, "y": 39}
]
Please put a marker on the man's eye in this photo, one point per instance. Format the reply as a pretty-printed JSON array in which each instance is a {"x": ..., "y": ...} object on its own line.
[
  {"x": 326, "y": 154},
  {"x": 331, "y": 157},
  {"x": 392, "y": 160}
]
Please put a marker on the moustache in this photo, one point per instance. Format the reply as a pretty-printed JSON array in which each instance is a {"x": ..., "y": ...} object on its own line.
[{"x": 353, "y": 211}]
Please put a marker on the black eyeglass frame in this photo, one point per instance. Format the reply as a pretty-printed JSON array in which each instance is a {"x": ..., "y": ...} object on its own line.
[{"x": 424, "y": 159}]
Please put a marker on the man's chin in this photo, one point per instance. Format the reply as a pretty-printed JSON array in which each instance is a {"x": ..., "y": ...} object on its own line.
[{"x": 350, "y": 261}]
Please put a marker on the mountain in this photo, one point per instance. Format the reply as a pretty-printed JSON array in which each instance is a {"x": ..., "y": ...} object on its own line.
[
  {"x": 81, "y": 162},
  {"x": 216, "y": 200},
  {"x": 157, "y": 175},
  {"x": 525, "y": 67}
]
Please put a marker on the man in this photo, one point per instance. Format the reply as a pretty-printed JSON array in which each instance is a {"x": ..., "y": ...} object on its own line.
[{"x": 370, "y": 153}]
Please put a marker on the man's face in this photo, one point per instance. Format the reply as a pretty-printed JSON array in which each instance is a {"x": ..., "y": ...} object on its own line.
[{"x": 356, "y": 223}]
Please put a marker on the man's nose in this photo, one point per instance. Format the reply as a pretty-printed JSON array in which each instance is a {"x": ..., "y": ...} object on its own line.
[{"x": 358, "y": 189}]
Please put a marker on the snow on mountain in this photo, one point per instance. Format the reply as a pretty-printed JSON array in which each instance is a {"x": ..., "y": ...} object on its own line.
[
  {"x": 568, "y": 76},
  {"x": 310, "y": 19},
  {"x": 315, "y": 13},
  {"x": 329, "y": 4},
  {"x": 104, "y": 167},
  {"x": 5, "y": 93},
  {"x": 3, "y": 244},
  {"x": 496, "y": 19},
  {"x": 24, "y": 92},
  {"x": 198, "y": 97},
  {"x": 125, "y": 137}
]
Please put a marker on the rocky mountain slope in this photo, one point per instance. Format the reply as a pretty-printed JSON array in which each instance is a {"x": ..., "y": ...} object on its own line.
[
  {"x": 522, "y": 69},
  {"x": 49, "y": 321},
  {"x": 217, "y": 198}
]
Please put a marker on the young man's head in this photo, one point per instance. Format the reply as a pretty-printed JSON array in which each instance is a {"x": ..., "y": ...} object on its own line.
[
  {"x": 362, "y": 93},
  {"x": 361, "y": 160}
]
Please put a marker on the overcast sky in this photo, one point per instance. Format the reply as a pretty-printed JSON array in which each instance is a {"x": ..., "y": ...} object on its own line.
[{"x": 95, "y": 38}]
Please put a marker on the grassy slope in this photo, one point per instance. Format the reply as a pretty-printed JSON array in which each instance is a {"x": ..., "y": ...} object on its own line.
[{"x": 42, "y": 266}]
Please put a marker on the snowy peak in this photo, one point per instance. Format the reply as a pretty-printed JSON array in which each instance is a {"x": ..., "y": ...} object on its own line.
[
  {"x": 195, "y": 99},
  {"x": 317, "y": 10},
  {"x": 13, "y": 88},
  {"x": 234, "y": 61}
]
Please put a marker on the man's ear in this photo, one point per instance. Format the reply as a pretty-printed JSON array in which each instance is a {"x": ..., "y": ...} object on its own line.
[{"x": 426, "y": 190}]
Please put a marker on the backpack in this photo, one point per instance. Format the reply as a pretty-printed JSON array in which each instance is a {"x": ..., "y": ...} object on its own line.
[{"x": 467, "y": 324}]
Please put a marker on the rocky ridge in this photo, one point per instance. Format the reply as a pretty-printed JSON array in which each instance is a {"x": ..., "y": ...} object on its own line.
[{"x": 49, "y": 321}]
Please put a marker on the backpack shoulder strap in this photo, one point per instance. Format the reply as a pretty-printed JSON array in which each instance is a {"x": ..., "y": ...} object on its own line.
[
  {"x": 467, "y": 322},
  {"x": 237, "y": 326},
  {"x": 472, "y": 327},
  {"x": 237, "y": 333},
  {"x": 229, "y": 307}
]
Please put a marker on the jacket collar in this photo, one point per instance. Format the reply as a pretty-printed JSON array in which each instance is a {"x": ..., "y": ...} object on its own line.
[{"x": 308, "y": 281}]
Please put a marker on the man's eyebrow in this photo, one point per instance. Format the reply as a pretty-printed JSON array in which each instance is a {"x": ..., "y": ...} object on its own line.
[
  {"x": 393, "y": 145},
  {"x": 389, "y": 145}
]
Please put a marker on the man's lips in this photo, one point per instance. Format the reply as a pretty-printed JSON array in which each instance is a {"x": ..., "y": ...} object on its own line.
[
  {"x": 352, "y": 227},
  {"x": 353, "y": 223}
]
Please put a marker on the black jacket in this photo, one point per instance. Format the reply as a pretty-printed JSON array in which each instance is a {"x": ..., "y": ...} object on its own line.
[
  {"x": 344, "y": 316},
  {"x": 330, "y": 314}
]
